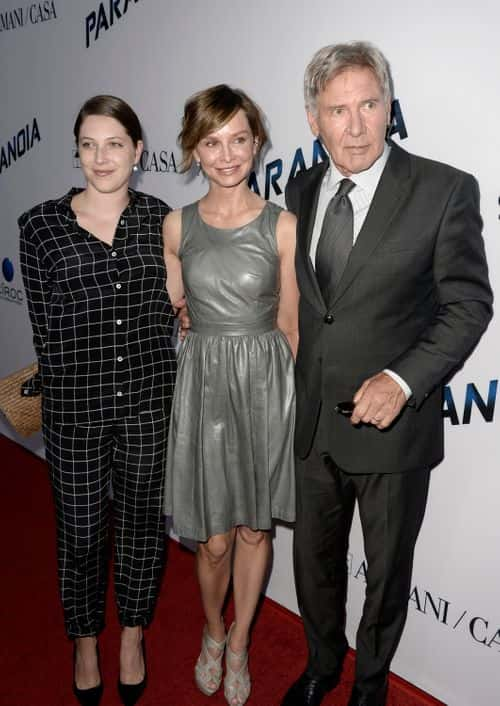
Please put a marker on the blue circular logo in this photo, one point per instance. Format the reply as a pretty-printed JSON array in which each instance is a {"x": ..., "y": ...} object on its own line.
[{"x": 8, "y": 269}]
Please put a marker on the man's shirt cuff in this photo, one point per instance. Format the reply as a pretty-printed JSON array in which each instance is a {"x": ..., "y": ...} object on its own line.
[{"x": 402, "y": 384}]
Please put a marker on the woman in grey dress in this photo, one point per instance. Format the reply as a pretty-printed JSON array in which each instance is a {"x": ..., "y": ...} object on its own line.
[{"x": 230, "y": 460}]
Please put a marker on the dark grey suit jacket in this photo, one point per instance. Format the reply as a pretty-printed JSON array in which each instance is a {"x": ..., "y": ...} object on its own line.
[{"x": 414, "y": 297}]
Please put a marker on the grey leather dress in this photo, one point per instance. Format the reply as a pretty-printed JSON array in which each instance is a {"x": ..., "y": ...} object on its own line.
[{"x": 230, "y": 451}]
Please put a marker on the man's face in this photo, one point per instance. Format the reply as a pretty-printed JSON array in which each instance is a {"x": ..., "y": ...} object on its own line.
[{"x": 351, "y": 119}]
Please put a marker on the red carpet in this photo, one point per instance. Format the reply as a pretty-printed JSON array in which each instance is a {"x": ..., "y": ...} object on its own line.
[{"x": 35, "y": 657}]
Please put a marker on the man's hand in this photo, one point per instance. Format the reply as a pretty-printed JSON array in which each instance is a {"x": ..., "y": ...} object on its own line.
[{"x": 378, "y": 401}]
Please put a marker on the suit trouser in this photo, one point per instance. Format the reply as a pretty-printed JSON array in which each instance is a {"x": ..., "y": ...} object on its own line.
[
  {"x": 84, "y": 462},
  {"x": 391, "y": 508}
]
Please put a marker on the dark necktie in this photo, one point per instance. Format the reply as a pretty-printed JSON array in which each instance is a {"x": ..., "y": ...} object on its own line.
[{"x": 335, "y": 241}]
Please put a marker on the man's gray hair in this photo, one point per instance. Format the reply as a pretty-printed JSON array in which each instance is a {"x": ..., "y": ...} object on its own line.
[{"x": 335, "y": 58}]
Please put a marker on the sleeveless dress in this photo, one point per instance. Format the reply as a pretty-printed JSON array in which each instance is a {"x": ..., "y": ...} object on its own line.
[{"x": 230, "y": 450}]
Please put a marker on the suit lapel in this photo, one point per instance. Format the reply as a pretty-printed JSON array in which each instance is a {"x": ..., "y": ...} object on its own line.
[
  {"x": 307, "y": 215},
  {"x": 393, "y": 185}
]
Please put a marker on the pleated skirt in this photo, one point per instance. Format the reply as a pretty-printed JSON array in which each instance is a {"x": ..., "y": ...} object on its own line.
[{"x": 230, "y": 450}]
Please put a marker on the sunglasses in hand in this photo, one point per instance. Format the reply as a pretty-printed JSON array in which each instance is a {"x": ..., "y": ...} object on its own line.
[{"x": 345, "y": 408}]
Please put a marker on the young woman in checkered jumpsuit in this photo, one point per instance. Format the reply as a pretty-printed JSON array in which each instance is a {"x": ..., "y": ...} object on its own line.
[{"x": 94, "y": 274}]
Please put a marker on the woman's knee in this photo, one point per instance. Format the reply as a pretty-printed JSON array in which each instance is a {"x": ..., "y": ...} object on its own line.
[
  {"x": 217, "y": 548},
  {"x": 252, "y": 537}
]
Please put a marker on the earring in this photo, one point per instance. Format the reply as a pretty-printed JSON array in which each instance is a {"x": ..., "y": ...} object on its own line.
[{"x": 135, "y": 168}]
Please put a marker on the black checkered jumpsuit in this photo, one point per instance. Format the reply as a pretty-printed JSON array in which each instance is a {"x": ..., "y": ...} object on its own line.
[{"x": 102, "y": 324}]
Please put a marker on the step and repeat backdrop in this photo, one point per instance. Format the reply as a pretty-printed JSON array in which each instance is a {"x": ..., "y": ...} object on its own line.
[{"x": 445, "y": 57}]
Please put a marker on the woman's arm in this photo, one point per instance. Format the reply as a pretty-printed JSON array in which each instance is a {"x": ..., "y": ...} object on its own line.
[
  {"x": 36, "y": 285},
  {"x": 171, "y": 243},
  {"x": 288, "y": 310}
]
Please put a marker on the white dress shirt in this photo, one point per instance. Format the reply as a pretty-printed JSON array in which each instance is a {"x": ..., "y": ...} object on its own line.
[{"x": 361, "y": 197}]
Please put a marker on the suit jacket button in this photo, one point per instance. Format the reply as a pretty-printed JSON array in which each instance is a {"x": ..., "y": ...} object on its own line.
[{"x": 328, "y": 319}]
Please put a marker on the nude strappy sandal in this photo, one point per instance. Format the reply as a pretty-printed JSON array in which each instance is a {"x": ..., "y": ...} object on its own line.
[
  {"x": 208, "y": 669},
  {"x": 237, "y": 683}
]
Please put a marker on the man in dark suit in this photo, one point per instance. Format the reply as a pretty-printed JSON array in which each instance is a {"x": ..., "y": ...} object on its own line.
[{"x": 394, "y": 295}]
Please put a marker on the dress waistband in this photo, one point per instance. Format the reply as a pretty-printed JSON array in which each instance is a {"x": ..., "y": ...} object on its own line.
[{"x": 233, "y": 328}]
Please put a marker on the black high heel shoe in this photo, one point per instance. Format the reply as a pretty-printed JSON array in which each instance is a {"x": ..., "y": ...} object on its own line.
[
  {"x": 87, "y": 697},
  {"x": 131, "y": 693}
]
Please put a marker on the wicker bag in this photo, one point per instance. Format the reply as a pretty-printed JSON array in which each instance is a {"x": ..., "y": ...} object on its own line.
[{"x": 21, "y": 405}]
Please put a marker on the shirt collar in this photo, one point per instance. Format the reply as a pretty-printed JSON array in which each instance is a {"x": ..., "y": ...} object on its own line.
[
  {"x": 366, "y": 180},
  {"x": 64, "y": 203}
]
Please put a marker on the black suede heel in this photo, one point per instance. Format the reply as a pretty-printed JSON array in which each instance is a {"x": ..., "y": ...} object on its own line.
[
  {"x": 87, "y": 697},
  {"x": 131, "y": 693}
]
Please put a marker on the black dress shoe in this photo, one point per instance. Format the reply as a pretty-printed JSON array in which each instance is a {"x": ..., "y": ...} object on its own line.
[
  {"x": 131, "y": 693},
  {"x": 86, "y": 697},
  {"x": 377, "y": 698},
  {"x": 309, "y": 691}
]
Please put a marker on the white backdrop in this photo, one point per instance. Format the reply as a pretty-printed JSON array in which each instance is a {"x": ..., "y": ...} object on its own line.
[{"x": 445, "y": 57}]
